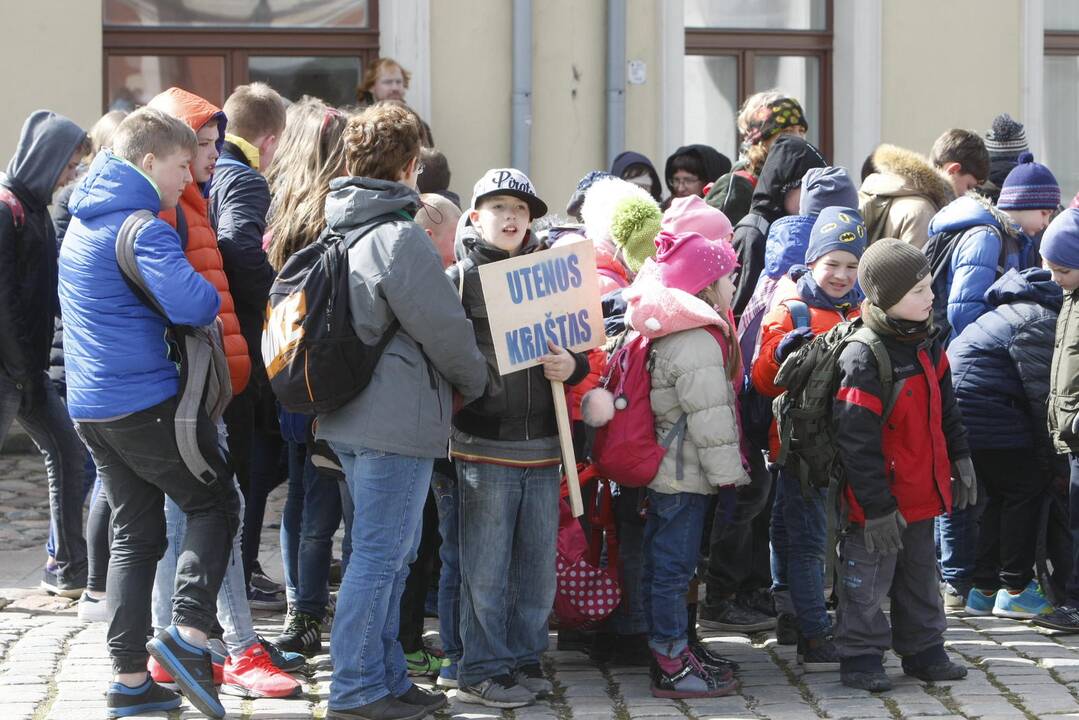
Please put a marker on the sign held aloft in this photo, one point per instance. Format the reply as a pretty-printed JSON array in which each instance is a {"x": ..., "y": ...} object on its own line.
[{"x": 550, "y": 295}]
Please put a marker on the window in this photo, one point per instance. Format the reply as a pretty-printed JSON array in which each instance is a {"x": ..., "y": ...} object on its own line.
[
  {"x": 1061, "y": 93},
  {"x": 314, "y": 47},
  {"x": 735, "y": 48}
]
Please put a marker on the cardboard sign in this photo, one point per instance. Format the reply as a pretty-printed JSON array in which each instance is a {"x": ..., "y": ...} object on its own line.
[{"x": 550, "y": 295}]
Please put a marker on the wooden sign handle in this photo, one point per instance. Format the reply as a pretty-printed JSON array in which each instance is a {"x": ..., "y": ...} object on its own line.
[{"x": 565, "y": 437}]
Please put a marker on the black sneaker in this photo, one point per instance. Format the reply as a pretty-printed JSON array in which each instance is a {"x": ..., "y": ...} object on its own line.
[
  {"x": 727, "y": 616},
  {"x": 261, "y": 581},
  {"x": 190, "y": 667},
  {"x": 303, "y": 635},
  {"x": 687, "y": 679},
  {"x": 124, "y": 701},
  {"x": 760, "y": 600},
  {"x": 864, "y": 672},
  {"x": 938, "y": 672},
  {"x": 1064, "y": 619},
  {"x": 386, "y": 708},
  {"x": 289, "y": 662},
  {"x": 259, "y": 599},
  {"x": 501, "y": 691},
  {"x": 786, "y": 629},
  {"x": 711, "y": 660},
  {"x": 818, "y": 654},
  {"x": 50, "y": 583},
  {"x": 430, "y": 700}
]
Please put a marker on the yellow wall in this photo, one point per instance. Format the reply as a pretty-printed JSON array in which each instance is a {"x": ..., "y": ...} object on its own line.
[
  {"x": 643, "y": 101},
  {"x": 471, "y": 85},
  {"x": 51, "y": 50},
  {"x": 948, "y": 64}
]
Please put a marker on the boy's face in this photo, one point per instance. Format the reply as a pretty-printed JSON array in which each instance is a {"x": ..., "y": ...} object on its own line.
[
  {"x": 267, "y": 145},
  {"x": 1032, "y": 221},
  {"x": 961, "y": 180},
  {"x": 70, "y": 169},
  {"x": 203, "y": 167},
  {"x": 1066, "y": 277},
  {"x": 917, "y": 304},
  {"x": 835, "y": 273},
  {"x": 171, "y": 172},
  {"x": 502, "y": 220}
]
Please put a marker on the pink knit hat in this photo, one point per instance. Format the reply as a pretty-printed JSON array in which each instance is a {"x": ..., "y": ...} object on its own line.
[
  {"x": 692, "y": 214},
  {"x": 689, "y": 261}
]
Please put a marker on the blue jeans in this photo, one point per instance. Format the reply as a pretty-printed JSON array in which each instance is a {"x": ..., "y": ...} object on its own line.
[
  {"x": 48, "y": 424},
  {"x": 672, "y": 541},
  {"x": 509, "y": 531},
  {"x": 448, "y": 499},
  {"x": 233, "y": 612},
  {"x": 90, "y": 488},
  {"x": 311, "y": 516},
  {"x": 779, "y": 550},
  {"x": 805, "y": 522},
  {"x": 388, "y": 492},
  {"x": 956, "y": 537}
]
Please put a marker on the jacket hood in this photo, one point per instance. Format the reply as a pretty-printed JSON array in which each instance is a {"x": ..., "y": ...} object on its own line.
[
  {"x": 196, "y": 112},
  {"x": 628, "y": 158},
  {"x": 788, "y": 238},
  {"x": 970, "y": 210},
  {"x": 354, "y": 201},
  {"x": 903, "y": 172},
  {"x": 788, "y": 161},
  {"x": 1031, "y": 285},
  {"x": 714, "y": 162},
  {"x": 656, "y": 311},
  {"x": 46, "y": 143},
  {"x": 827, "y": 187},
  {"x": 112, "y": 185}
]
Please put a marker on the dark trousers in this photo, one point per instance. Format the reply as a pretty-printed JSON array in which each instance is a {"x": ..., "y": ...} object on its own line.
[
  {"x": 1071, "y": 591},
  {"x": 738, "y": 561},
  {"x": 259, "y": 457},
  {"x": 420, "y": 572},
  {"x": 98, "y": 538},
  {"x": 1008, "y": 529},
  {"x": 138, "y": 462},
  {"x": 908, "y": 577},
  {"x": 46, "y": 421}
]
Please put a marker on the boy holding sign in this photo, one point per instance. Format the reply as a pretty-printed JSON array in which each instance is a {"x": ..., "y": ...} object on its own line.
[{"x": 506, "y": 445}]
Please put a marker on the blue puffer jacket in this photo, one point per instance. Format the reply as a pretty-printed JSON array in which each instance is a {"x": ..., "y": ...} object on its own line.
[
  {"x": 1000, "y": 364},
  {"x": 114, "y": 346},
  {"x": 976, "y": 262}
]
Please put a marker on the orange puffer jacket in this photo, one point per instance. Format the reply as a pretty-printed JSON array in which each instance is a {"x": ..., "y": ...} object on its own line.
[{"x": 200, "y": 243}]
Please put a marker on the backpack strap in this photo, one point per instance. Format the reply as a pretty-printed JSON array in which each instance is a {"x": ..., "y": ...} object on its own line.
[
  {"x": 799, "y": 313},
  {"x": 677, "y": 432},
  {"x": 753, "y": 220},
  {"x": 18, "y": 213}
]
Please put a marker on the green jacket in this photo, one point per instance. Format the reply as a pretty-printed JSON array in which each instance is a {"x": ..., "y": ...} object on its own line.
[{"x": 1064, "y": 377}]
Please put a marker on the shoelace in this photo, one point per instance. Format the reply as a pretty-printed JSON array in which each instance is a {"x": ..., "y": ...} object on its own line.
[
  {"x": 262, "y": 662},
  {"x": 504, "y": 680}
]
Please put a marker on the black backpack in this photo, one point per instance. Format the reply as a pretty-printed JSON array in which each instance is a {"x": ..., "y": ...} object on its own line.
[
  {"x": 939, "y": 252},
  {"x": 314, "y": 359}
]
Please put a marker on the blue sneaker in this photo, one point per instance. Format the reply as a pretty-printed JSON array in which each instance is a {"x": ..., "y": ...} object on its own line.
[
  {"x": 190, "y": 667},
  {"x": 1026, "y": 605},
  {"x": 447, "y": 674},
  {"x": 124, "y": 701},
  {"x": 283, "y": 660},
  {"x": 980, "y": 602}
]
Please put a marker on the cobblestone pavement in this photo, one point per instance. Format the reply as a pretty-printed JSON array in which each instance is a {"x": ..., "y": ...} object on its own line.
[{"x": 52, "y": 666}]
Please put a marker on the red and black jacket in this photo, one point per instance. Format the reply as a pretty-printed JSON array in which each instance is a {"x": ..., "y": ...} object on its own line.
[{"x": 903, "y": 460}]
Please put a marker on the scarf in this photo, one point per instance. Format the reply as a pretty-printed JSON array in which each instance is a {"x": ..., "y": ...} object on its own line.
[
  {"x": 812, "y": 293},
  {"x": 905, "y": 331}
]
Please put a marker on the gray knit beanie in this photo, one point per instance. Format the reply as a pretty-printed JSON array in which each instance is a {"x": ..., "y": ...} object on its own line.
[{"x": 889, "y": 268}]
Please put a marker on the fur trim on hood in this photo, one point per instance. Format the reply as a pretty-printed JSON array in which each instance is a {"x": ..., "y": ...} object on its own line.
[
  {"x": 971, "y": 210},
  {"x": 904, "y": 172}
]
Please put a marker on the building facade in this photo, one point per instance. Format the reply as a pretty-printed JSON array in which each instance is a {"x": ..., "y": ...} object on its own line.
[{"x": 593, "y": 76}]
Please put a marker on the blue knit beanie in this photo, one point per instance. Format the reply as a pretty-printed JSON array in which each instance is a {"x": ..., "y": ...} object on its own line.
[
  {"x": 836, "y": 228},
  {"x": 1060, "y": 243},
  {"x": 826, "y": 187},
  {"x": 1029, "y": 186}
]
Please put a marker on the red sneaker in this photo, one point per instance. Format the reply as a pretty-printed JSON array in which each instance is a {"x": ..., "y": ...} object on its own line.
[
  {"x": 162, "y": 677},
  {"x": 253, "y": 675}
]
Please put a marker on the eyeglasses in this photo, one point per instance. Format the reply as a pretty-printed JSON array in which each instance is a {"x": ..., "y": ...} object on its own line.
[{"x": 685, "y": 180}]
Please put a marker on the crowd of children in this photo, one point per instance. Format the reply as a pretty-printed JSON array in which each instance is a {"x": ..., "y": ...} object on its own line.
[{"x": 858, "y": 392}]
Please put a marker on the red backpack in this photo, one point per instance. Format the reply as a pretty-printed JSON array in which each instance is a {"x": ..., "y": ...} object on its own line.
[{"x": 625, "y": 450}]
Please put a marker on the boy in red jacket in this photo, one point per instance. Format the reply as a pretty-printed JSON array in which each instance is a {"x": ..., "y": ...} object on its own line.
[{"x": 902, "y": 471}]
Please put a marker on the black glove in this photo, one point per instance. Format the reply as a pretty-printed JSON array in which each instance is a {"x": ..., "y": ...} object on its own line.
[
  {"x": 964, "y": 484},
  {"x": 793, "y": 340},
  {"x": 884, "y": 535}
]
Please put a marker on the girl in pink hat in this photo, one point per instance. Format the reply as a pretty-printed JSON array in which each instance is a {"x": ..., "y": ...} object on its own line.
[{"x": 681, "y": 301}]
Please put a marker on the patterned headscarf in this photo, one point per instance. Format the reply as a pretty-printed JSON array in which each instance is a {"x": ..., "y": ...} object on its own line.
[{"x": 770, "y": 119}]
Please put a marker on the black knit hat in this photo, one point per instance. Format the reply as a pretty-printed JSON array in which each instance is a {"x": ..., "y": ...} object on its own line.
[{"x": 889, "y": 269}]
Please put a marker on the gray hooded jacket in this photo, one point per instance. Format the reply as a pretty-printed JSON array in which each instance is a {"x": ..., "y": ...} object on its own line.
[{"x": 395, "y": 272}]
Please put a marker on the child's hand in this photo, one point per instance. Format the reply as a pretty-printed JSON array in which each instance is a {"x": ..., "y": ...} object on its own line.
[{"x": 558, "y": 364}]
